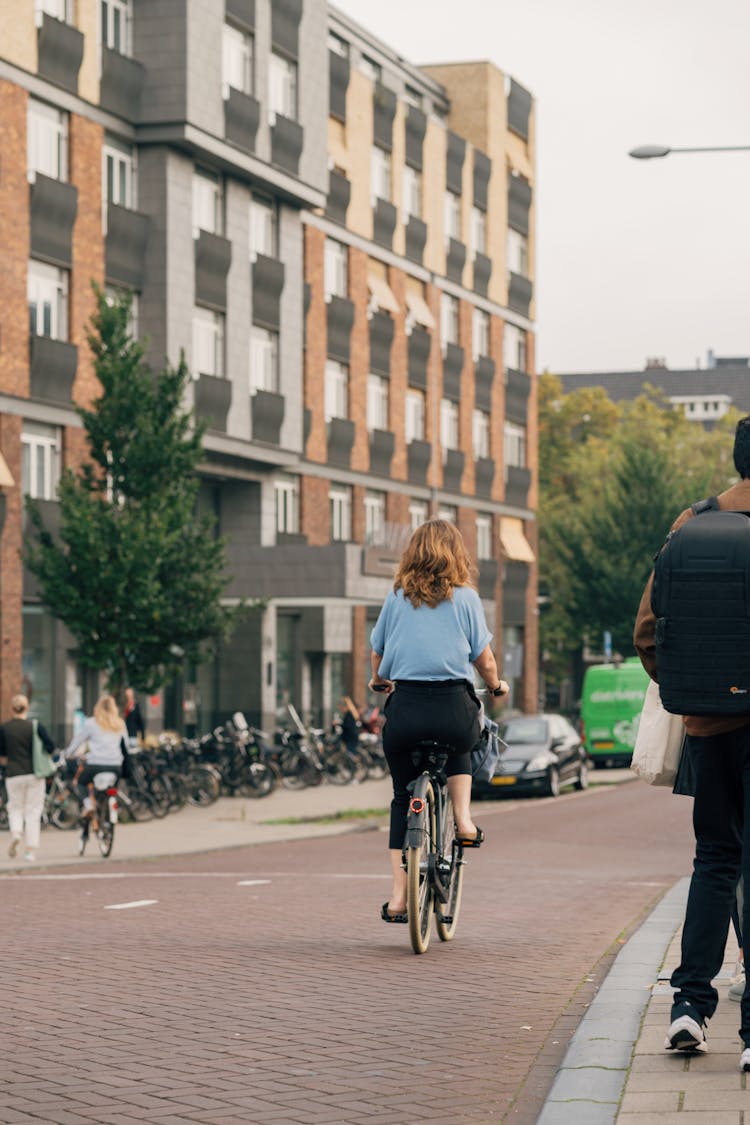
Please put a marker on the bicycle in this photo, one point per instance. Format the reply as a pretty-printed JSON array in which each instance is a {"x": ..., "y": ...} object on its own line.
[{"x": 100, "y": 808}]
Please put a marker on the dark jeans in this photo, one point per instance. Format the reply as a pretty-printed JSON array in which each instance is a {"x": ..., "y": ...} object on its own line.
[
  {"x": 722, "y": 854},
  {"x": 446, "y": 711}
]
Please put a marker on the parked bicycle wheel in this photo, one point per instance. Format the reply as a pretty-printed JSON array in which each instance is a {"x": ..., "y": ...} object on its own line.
[
  {"x": 204, "y": 786},
  {"x": 258, "y": 780},
  {"x": 451, "y": 875},
  {"x": 419, "y": 893},
  {"x": 339, "y": 768}
]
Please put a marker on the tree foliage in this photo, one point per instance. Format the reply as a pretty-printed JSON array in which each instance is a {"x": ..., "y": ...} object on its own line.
[{"x": 135, "y": 573}]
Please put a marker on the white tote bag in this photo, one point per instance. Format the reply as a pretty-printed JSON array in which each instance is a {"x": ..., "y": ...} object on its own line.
[{"x": 656, "y": 754}]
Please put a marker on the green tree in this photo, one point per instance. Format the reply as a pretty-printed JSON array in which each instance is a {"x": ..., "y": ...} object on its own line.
[{"x": 135, "y": 573}]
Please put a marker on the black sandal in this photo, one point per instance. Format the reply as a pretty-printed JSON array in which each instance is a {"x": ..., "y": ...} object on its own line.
[
  {"x": 386, "y": 915},
  {"x": 471, "y": 841}
]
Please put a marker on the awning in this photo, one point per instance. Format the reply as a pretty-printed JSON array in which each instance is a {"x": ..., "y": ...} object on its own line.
[
  {"x": 6, "y": 477},
  {"x": 514, "y": 543},
  {"x": 382, "y": 294},
  {"x": 419, "y": 309}
]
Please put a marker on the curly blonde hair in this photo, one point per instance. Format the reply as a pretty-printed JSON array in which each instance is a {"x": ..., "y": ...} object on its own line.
[
  {"x": 107, "y": 715},
  {"x": 434, "y": 562}
]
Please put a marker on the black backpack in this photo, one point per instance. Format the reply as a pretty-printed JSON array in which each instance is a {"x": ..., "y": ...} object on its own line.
[{"x": 701, "y": 600}]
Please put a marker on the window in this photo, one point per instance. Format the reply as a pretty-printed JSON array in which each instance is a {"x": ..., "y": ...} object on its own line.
[
  {"x": 336, "y": 392},
  {"x": 48, "y": 301},
  {"x": 264, "y": 228},
  {"x": 380, "y": 174},
  {"x": 448, "y": 424},
  {"x": 478, "y": 232},
  {"x": 286, "y": 497},
  {"x": 412, "y": 97},
  {"x": 60, "y": 9},
  {"x": 47, "y": 141},
  {"x": 208, "y": 343},
  {"x": 340, "y": 505},
  {"x": 377, "y": 402},
  {"x": 282, "y": 98},
  {"x": 374, "y": 517},
  {"x": 518, "y": 253},
  {"x": 236, "y": 61},
  {"x": 414, "y": 418},
  {"x": 40, "y": 460},
  {"x": 484, "y": 536},
  {"x": 412, "y": 204},
  {"x": 116, "y": 23},
  {"x": 448, "y": 319},
  {"x": 480, "y": 434},
  {"x": 514, "y": 445},
  {"x": 417, "y": 513},
  {"x": 514, "y": 348},
  {"x": 480, "y": 333},
  {"x": 448, "y": 512},
  {"x": 336, "y": 269},
  {"x": 207, "y": 209},
  {"x": 338, "y": 45},
  {"x": 452, "y": 216},
  {"x": 264, "y": 360},
  {"x": 373, "y": 70},
  {"x": 118, "y": 161}
]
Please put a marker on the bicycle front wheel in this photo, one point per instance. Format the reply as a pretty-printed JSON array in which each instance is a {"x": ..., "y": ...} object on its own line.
[
  {"x": 419, "y": 891},
  {"x": 451, "y": 871}
]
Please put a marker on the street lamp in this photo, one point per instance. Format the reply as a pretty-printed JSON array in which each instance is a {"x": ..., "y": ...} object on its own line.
[{"x": 653, "y": 152}]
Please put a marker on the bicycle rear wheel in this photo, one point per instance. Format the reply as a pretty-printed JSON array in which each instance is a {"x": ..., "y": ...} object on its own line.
[
  {"x": 419, "y": 891},
  {"x": 451, "y": 870}
]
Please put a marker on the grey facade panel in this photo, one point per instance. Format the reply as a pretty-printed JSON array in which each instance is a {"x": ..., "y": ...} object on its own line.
[
  {"x": 487, "y": 578},
  {"x": 454, "y": 163},
  {"x": 519, "y": 293},
  {"x": 482, "y": 273},
  {"x": 420, "y": 343},
  {"x": 517, "y": 391},
  {"x": 268, "y": 284},
  {"x": 59, "y": 52},
  {"x": 453, "y": 364},
  {"x": 340, "y": 441},
  {"x": 267, "y": 414},
  {"x": 160, "y": 42},
  {"x": 381, "y": 339},
  {"x": 455, "y": 260},
  {"x": 482, "y": 170},
  {"x": 53, "y": 207},
  {"x": 121, "y": 84},
  {"x": 418, "y": 455},
  {"x": 241, "y": 117},
  {"x": 519, "y": 108},
  {"x": 484, "y": 475},
  {"x": 415, "y": 127},
  {"x": 339, "y": 194},
  {"x": 515, "y": 582},
  {"x": 453, "y": 469},
  {"x": 381, "y": 452},
  {"x": 285, "y": 21},
  {"x": 213, "y": 256},
  {"x": 52, "y": 365},
  {"x": 286, "y": 568},
  {"x": 125, "y": 246},
  {"x": 241, "y": 12},
  {"x": 339, "y": 319},
  {"x": 338, "y": 78},
  {"x": 384, "y": 223},
  {"x": 287, "y": 138},
  {"x": 212, "y": 400},
  {"x": 517, "y": 485},
  {"x": 519, "y": 203},
  {"x": 416, "y": 238},
  {"x": 484, "y": 374},
  {"x": 384, "y": 110}
]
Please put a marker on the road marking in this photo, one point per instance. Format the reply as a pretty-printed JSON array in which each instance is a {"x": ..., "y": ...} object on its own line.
[
  {"x": 130, "y": 905},
  {"x": 252, "y": 882}
]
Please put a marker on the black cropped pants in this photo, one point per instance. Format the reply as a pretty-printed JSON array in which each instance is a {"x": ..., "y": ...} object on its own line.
[{"x": 444, "y": 710}]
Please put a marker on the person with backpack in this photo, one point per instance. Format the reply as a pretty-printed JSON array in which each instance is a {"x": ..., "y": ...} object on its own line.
[{"x": 692, "y": 633}]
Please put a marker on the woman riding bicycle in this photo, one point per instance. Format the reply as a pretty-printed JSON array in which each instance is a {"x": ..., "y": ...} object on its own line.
[
  {"x": 105, "y": 733},
  {"x": 430, "y": 632}
]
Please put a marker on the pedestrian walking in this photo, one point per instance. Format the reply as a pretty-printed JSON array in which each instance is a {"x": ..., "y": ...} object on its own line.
[
  {"x": 718, "y": 745},
  {"x": 350, "y": 724},
  {"x": 133, "y": 717},
  {"x": 25, "y": 747}
]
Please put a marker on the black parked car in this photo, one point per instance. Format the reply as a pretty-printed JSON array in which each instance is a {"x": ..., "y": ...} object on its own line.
[{"x": 543, "y": 754}]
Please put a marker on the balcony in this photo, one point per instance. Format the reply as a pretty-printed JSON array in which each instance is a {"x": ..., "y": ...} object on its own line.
[
  {"x": 339, "y": 321},
  {"x": 419, "y": 455},
  {"x": 59, "y": 52},
  {"x": 484, "y": 475},
  {"x": 52, "y": 369},
  {"x": 517, "y": 482},
  {"x": 416, "y": 239},
  {"x": 268, "y": 283},
  {"x": 53, "y": 206},
  {"x": 340, "y": 442},
  {"x": 488, "y": 569},
  {"x": 241, "y": 117},
  {"x": 455, "y": 260},
  {"x": 383, "y": 223},
  {"x": 125, "y": 246},
  {"x": 213, "y": 396},
  {"x": 453, "y": 470},
  {"x": 287, "y": 138},
  {"x": 213, "y": 255},
  {"x": 482, "y": 273},
  {"x": 484, "y": 376},
  {"x": 520, "y": 291},
  {"x": 338, "y": 84},
  {"x": 381, "y": 452},
  {"x": 339, "y": 194},
  {"x": 121, "y": 84},
  {"x": 517, "y": 391},
  {"x": 420, "y": 343},
  {"x": 266, "y": 416}
]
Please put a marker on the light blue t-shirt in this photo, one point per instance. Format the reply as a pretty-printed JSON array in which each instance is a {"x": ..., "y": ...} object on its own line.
[{"x": 430, "y": 643}]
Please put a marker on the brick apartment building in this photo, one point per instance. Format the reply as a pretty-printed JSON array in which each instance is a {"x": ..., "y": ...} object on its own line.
[{"x": 342, "y": 244}]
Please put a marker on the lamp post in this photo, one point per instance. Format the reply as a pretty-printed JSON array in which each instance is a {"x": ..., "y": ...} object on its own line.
[{"x": 653, "y": 152}]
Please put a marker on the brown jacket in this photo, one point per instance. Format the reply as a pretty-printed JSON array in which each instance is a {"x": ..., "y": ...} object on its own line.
[{"x": 737, "y": 499}]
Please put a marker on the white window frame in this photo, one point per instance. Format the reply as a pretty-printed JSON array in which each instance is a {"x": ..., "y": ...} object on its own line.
[
  {"x": 58, "y": 9},
  {"x": 381, "y": 174},
  {"x": 372, "y": 69},
  {"x": 335, "y": 269},
  {"x": 448, "y": 512},
  {"x": 378, "y": 394},
  {"x": 338, "y": 45},
  {"x": 518, "y": 253},
  {"x": 40, "y": 460},
  {"x": 47, "y": 139},
  {"x": 449, "y": 320},
  {"x": 374, "y": 517},
  {"x": 119, "y": 174},
  {"x": 412, "y": 193},
  {"x": 414, "y": 415},
  {"x": 116, "y": 25},
  {"x": 480, "y": 333},
  {"x": 47, "y": 288},
  {"x": 236, "y": 60},
  {"x": 264, "y": 227},
  {"x": 449, "y": 424},
  {"x": 340, "y": 507},
  {"x": 478, "y": 231},
  {"x": 514, "y": 446},
  {"x": 286, "y": 505},
  {"x": 484, "y": 536},
  {"x": 208, "y": 343},
  {"x": 207, "y": 202},
  {"x": 264, "y": 360},
  {"x": 452, "y": 214},
  {"x": 480, "y": 433},
  {"x": 418, "y": 513},
  {"x": 514, "y": 347},
  {"x": 283, "y": 86},
  {"x": 336, "y": 390}
]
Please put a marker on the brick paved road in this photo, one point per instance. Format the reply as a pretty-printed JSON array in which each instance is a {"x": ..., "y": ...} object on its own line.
[{"x": 288, "y": 1002}]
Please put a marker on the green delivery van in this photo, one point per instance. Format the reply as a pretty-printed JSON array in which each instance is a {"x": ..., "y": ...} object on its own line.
[{"x": 611, "y": 706}]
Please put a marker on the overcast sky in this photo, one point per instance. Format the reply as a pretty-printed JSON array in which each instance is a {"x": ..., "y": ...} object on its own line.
[{"x": 634, "y": 258}]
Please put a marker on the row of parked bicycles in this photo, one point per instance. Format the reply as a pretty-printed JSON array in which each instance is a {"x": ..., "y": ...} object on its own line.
[{"x": 233, "y": 760}]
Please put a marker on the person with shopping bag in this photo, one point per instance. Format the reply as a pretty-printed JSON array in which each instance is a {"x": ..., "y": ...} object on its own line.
[{"x": 26, "y": 748}]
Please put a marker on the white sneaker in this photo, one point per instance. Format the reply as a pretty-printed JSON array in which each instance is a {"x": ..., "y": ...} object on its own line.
[
  {"x": 685, "y": 1034},
  {"x": 745, "y": 1059},
  {"x": 736, "y": 988},
  {"x": 29, "y": 856},
  {"x": 13, "y": 846}
]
